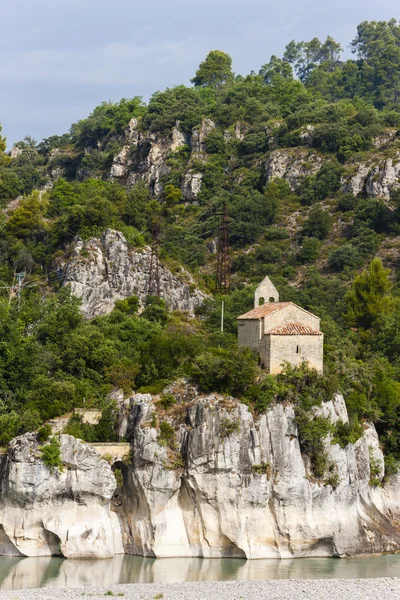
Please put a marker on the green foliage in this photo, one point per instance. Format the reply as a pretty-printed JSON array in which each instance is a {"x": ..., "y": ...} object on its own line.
[
  {"x": 370, "y": 299},
  {"x": 229, "y": 427},
  {"x": 345, "y": 256},
  {"x": 166, "y": 436},
  {"x": 214, "y": 71},
  {"x": 374, "y": 469},
  {"x": 229, "y": 371},
  {"x": 119, "y": 478},
  {"x": 347, "y": 433},
  {"x": 167, "y": 401},
  {"x": 318, "y": 224},
  {"x": 107, "y": 119},
  {"x": 51, "y": 455},
  {"x": 51, "y": 360},
  {"x": 44, "y": 433},
  {"x": 262, "y": 469}
]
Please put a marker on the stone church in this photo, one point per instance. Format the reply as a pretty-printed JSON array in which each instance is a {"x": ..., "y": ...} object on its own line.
[{"x": 281, "y": 331}]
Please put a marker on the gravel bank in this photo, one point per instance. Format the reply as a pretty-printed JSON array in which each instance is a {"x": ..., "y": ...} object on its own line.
[{"x": 304, "y": 589}]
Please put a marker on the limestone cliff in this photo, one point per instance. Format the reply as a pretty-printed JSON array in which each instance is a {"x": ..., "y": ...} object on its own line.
[
  {"x": 236, "y": 485},
  {"x": 206, "y": 478},
  {"x": 101, "y": 271},
  {"x": 65, "y": 512}
]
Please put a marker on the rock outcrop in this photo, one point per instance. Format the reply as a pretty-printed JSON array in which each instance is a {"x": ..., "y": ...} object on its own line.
[
  {"x": 232, "y": 485},
  {"x": 294, "y": 167},
  {"x": 102, "y": 271},
  {"x": 64, "y": 512},
  {"x": 377, "y": 179}
]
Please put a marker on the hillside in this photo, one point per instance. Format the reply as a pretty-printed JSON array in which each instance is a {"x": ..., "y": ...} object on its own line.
[{"x": 306, "y": 156}]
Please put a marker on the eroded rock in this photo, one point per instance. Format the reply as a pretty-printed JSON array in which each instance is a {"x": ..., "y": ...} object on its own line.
[
  {"x": 102, "y": 271},
  {"x": 64, "y": 512},
  {"x": 292, "y": 166},
  {"x": 239, "y": 486}
]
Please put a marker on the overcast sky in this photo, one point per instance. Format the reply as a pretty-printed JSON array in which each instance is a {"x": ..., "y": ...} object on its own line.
[{"x": 60, "y": 58}]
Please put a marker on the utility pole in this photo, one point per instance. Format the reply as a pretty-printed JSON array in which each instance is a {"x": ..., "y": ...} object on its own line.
[
  {"x": 223, "y": 274},
  {"x": 154, "y": 274}
]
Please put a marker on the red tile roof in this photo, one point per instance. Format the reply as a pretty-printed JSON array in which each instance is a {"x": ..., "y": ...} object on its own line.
[
  {"x": 293, "y": 329},
  {"x": 264, "y": 310}
]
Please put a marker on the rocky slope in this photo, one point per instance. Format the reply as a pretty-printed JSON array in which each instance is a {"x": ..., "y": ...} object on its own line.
[
  {"x": 102, "y": 271},
  {"x": 144, "y": 157},
  {"x": 59, "y": 512},
  {"x": 215, "y": 482}
]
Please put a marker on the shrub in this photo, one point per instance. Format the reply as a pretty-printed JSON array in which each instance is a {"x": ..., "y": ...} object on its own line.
[
  {"x": 167, "y": 401},
  {"x": 347, "y": 433},
  {"x": 44, "y": 433},
  {"x": 309, "y": 250},
  {"x": 225, "y": 370},
  {"x": 262, "y": 469},
  {"x": 166, "y": 437},
  {"x": 228, "y": 427},
  {"x": 318, "y": 224},
  {"x": 51, "y": 455},
  {"x": 345, "y": 256},
  {"x": 119, "y": 478}
]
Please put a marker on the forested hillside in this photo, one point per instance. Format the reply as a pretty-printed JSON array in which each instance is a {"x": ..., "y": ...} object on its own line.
[{"x": 305, "y": 152}]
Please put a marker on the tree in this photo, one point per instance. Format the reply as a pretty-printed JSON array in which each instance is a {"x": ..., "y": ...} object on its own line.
[
  {"x": 369, "y": 299},
  {"x": 214, "y": 71},
  {"x": 318, "y": 224},
  {"x": 307, "y": 56},
  {"x": 277, "y": 67},
  {"x": 4, "y": 159},
  {"x": 377, "y": 46}
]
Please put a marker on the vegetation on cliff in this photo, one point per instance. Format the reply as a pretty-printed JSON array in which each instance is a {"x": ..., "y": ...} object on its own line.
[{"x": 331, "y": 249}]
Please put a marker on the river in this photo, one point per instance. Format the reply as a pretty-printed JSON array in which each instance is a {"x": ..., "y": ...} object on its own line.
[{"x": 23, "y": 573}]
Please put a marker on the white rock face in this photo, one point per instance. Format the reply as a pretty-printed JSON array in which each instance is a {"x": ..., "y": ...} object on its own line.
[
  {"x": 250, "y": 494},
  {"x": 293, "y": 167},
  {"x": 66, "y": 512},
  {"x": 191, "y": 186},
  {"x": 120, "y": 164},
  {"x": 179, "y": 138},
  {"x": 148, "y": 161},
  {"x": 199, "y": 136},
  {"x": 102, "y": 271},
  {"x": 379, "y": 180}
]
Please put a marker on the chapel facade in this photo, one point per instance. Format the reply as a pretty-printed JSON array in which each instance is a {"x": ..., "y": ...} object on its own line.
[{"x": 281, "y": 331}]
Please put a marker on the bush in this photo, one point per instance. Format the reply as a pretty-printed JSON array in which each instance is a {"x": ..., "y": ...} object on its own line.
[
  {"x": 229, "y": 371},
  {"x": 166, "y": 436},
  {"x": 228, "y": 427},
  {"x": 44, "y": 433},
  {"x": 309, "y": 250},
  {"x": 345, "y": 256},
  {"x": 51, "y": 455},
  {"x": 167, "y": 401},
  {"x": 318, "y": 224}
]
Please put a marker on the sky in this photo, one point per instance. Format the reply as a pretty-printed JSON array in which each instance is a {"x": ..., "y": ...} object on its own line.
[{"x": 61, "y": 58}]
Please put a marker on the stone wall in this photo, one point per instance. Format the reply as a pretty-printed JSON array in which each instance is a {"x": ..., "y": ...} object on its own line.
[
  {"x": 92, "y": 417},
  {"x": 249, "y": 333},
  {"x": 115, "y": 449},
  {"x": 294, "y": 349}
]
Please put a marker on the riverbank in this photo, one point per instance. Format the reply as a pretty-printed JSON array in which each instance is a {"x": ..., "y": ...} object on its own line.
[{"x": 299, "y": 589}]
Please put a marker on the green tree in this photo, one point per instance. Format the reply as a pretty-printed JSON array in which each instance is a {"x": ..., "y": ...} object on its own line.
[
  {"x": 318, "y": 224},
  {"x": 369, "y": 298},
  {"x": 214, "y": 71}
]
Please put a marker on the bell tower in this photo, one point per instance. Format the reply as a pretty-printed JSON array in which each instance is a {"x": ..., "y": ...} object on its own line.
[{"x": 265, "y": 292}]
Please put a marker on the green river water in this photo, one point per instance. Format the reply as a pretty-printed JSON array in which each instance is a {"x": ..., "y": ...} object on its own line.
[{"x": 23, "y": 573}]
